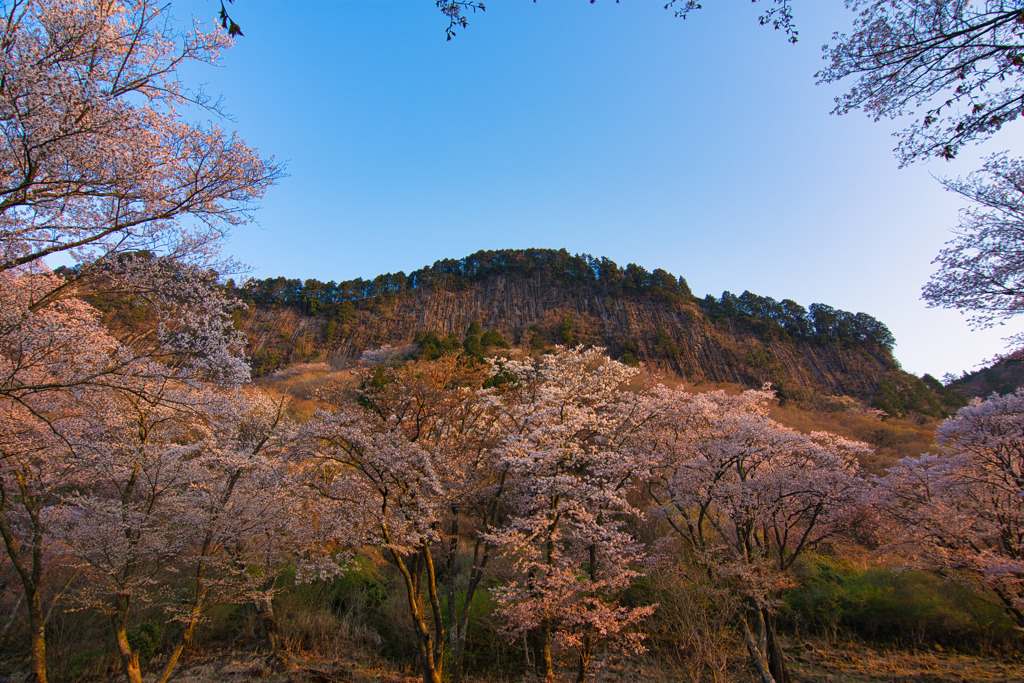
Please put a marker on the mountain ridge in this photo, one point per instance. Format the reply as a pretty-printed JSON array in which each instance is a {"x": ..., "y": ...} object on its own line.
[{"x": 541, "y": 297}]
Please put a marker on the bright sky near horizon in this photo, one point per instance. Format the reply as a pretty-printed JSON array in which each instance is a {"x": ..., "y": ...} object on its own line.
[{"x": 701, "y": 146}]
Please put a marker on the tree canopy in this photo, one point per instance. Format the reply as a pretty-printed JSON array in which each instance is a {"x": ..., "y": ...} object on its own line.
[
  {"x": 981, "y": 270},
  {"x": 956, "y": 64}
]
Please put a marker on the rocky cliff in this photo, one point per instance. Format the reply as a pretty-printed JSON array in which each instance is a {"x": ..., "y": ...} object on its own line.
[{"x": 669, "y": 330}]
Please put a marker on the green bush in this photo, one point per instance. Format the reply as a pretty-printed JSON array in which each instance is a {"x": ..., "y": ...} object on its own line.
[
  {"x": 908, "y": 607},
  {"x": 145, "y": 639},
  {"x": 87, "y": 663}
]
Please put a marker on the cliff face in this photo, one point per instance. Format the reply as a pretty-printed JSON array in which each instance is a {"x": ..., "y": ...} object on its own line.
[{"x": 670, "y": 334}]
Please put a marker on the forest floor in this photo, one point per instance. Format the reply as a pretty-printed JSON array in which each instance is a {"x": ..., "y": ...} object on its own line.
[
  {"x": 856, "y": 663},
  {"x": 811, "y": 662}
]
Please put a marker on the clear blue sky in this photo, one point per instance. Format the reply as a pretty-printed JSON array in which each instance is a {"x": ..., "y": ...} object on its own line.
[{"x": 702, "y": 146}]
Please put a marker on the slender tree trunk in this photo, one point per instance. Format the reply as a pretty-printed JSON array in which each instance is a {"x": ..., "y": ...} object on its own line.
[
  {"x": 776, "y": 659},
  {"x": 30, "y": 575},
  {"x": 461, "y": 627},
  {"x": 481, "y": 555},
  {"x": 183, "y": 642},
  {"x": 195, "y": 613},
  {"x": 129, "y": 658},
  {"x": 588, "y": 642},
  {"x": 756, "y": 647},
  {"x": 435, "y": 607},
  {"x": 454, "y": 636},
  {"x": 37, "y": 626},
  {"x": 14, "y": 614},
  {"x": 542, "y": 645},
  {"x": 428, "y": 667}
]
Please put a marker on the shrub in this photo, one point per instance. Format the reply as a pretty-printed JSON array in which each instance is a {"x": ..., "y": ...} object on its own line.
[{"x": 902, "y": 606}]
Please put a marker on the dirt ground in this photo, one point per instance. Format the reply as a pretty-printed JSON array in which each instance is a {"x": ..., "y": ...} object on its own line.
[
  {"x": 810, "y": 663},
  {"x": 852, "y": 663}
]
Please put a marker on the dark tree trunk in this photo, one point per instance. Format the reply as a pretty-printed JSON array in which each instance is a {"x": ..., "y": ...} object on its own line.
[
  {"x": 268, "y": 624},
  {"x": 38, "y": 638},
  {"x": 584, "y": 662},
  {"x": 776, "y": 659},
  {"x": 542, "y": 662}
]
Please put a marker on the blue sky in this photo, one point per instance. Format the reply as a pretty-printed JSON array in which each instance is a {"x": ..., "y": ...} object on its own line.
[{"x": 701, "y": 146}]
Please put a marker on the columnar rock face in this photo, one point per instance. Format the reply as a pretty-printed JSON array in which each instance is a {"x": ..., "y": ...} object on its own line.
[{"x": 669, "y": 334}]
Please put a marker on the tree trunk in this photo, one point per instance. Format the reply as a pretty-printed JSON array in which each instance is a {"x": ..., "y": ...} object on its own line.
[
  {"x": 30, "y": 576},
  {"x": 456, "y": 638},
  {"x": 756, "y": 647},
  {"x": 585, "y": 652},
  {"x": 435, "y": 606},
  {"x": 481, "y": 555},
  {"x": 172, "y": 662},
  {"x": 412, "y": 576},
  {"x": 37, "y": 627},
  {"x": 268, "y": 624},
  {"x": 427, "y": 665},
  {"x": 195, "y": 613},
  {"x": 776, "y": 659},
  {"x": 542, "y": 652},
  {"x": 129, "y": 658}
]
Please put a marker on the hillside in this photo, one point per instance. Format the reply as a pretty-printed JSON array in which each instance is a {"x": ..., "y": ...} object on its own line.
[
  {"x": 538, "y": 298},
  {"x": 1002, "y": 377}
]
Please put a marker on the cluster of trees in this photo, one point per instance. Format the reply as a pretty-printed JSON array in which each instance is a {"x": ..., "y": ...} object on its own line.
[
  {"x": 550, "y": 493},
  {"x": 564, "y": 269},
  {"x": 560, "y": 267},
  {"x": 99, "y": 166},
  {"x": 422, "y": 466},
  {"x": 820, "y": 322},
  {"x": 476, "y": 343},
  {"x": 764, "y": 315},
  {"x": 319, "y": 298}
]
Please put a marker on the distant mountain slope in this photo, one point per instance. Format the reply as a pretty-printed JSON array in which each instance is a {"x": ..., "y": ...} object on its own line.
[
  {"x": 1002, "y": 377},
  {"x": 540, "y": 297}
]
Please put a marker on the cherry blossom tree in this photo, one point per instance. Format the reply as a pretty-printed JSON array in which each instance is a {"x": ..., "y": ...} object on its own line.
[
  {"x": 99, "y": 155},
  {"x": 956, "y": 65},
  {"x": 982, "y": 269},
  {"x": 748, "y": 497},
  {"x": 569, "y": 419},
  {"x": 58, "y": 362},
  {"x": 60, "y": 344},
  {"x": 404, "y": 467},
  {"x": 956, "y": 62},
  {"x": 36, "y": 465},
  {"x": 962, "y": 509},
  {"x": 137, "y": 457},
  {"x": 103, "y": 166},
  {"x": 443, "y": 409},
  {"x": 171, "y": 480},
  {"x": 244, "y": 522}
]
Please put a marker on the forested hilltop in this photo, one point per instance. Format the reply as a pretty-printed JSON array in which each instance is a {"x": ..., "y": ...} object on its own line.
[{"x": 541, "y": 297}]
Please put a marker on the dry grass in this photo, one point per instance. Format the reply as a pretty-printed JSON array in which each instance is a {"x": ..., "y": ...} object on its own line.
[
  {"x": 856, "y": 663},
  {"x": 285, "y": 668},
  {"x": 892, "y": 438},
  {"x": 809, "y": 662},
  {"x": 306, "y": 385}
]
